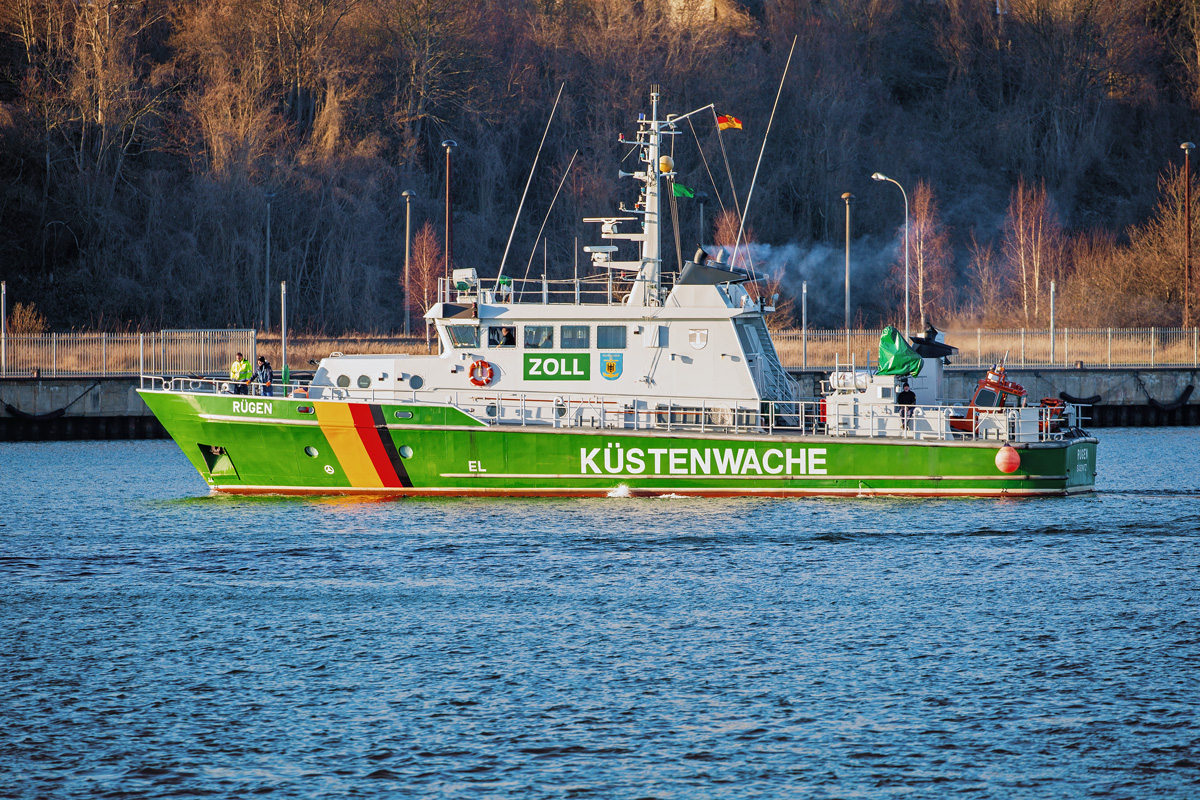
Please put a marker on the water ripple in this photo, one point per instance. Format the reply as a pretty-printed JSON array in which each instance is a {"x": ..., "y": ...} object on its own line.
[{"x": 156, "y": 640}]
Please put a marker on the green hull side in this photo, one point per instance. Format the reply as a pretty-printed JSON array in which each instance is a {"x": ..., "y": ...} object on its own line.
[{"x": 444, "y": 451}]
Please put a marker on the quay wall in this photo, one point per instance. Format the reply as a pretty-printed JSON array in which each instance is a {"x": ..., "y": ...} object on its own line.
[
  {"x": 91, "y": 408},
  {"x": 1128, "y": 396},
  {"x": 110, "y": 408}
]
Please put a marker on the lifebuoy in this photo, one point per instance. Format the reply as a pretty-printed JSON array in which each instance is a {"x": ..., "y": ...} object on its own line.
[{"x": 481, "y": 373}]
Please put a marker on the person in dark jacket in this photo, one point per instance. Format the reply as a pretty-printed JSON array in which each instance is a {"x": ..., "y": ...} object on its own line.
[
  {"x": 907, "y": 401},
  {"x": 263, "y": 375}
]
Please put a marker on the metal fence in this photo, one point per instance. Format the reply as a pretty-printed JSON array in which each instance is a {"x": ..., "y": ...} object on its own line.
[
  {"x": 209, "y": 352},
  {"x": 171, "y": 352},
  {"x": 1062, "y": 347}
]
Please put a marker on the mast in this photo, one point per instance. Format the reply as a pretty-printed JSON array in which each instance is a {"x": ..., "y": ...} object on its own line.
[
  {"x": 647, "y": 286},
  {"x": 650, "y": 277}
]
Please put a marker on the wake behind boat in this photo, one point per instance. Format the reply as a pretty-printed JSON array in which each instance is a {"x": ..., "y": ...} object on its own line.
[{"x": 657, "y": 382}]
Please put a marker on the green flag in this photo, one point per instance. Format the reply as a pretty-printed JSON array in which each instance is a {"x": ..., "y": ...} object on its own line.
[
  {"x": 895, "y": 356},
  {"x": 679, "y": 190}
]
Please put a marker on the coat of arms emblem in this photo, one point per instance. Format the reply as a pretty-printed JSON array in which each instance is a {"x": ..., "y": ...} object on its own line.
[
  {"x": 698, "y": 338},
  {"x": 610, "y": 366}
]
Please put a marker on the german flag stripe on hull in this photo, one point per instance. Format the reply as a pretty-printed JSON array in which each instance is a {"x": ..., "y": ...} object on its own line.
[
  {"x": 389, "y": 447},
  {"x": 358, "y": 435}
]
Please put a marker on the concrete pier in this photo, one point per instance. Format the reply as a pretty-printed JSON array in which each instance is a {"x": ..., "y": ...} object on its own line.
[
  {"x": 1128, "y": 396},
  {"x": 91, "y": 408}
]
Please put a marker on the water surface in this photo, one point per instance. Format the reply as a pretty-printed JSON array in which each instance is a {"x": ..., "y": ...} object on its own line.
[{"x": 155, "y": 640}]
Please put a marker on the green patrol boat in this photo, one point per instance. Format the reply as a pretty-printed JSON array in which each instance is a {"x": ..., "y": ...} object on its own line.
[{"x": 639, "y": 382}]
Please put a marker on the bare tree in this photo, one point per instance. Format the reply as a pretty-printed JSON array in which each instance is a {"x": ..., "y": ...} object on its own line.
[
  {"x": 1032, "y": 245},
  {"x": 929, "y": 257},
  {"x": 1157, "y": 245},
  {"x": 229, "y": 120},
  {"x": 433, "y": 66},
  {"x": 1180, "y": 20},
  {"x": 725, "y": 231},
  {"x": 784, "y": 316},
  {"x": 425, "y": 267},
  {"x": 984, "y": 275},
  {"x": 1106, "y": 283}
]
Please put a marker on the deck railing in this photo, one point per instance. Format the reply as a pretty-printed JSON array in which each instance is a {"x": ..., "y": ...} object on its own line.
[
  {"x": 548, "y": 409},
  {"x": 209, "y": 352}
]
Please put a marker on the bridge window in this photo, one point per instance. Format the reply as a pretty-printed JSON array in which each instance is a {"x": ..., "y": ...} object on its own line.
[
  {"x": 539, "y": 337},
  {"x": 610, "y": 337},
  {"x": 502, "y": 336},
  {"x": 462, "y": 336},
  {"x": 575, "y": 337}
]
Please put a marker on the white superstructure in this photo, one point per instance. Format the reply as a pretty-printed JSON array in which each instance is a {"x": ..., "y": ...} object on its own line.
[
  {"x": 632, "y": 336},
  {"x": 632, "y": 346}
]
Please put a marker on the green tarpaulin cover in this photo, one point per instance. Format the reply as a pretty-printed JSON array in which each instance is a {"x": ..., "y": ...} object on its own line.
[{"x": 895, "y": 356}]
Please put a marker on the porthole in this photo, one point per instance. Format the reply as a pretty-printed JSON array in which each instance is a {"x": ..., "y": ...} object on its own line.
[
  {"x": 311, "y": 451},
  {"x": 405, "y": 451},
  {"x": 343, "y": 381},
  {"x": 403, "y": 415},
  {"x": 364, "y": 381},
  {"x": 304, "y": 409},
  {"x": 416, "y": 382},
  {"x": 560, "y": 410},
  {"x": 490, "y": 410}
]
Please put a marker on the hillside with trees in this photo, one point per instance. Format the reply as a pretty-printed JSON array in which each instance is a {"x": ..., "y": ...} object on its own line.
[{"x": 144, "y": 143}]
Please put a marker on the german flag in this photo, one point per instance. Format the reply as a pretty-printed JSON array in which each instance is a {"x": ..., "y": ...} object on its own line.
[{"x": 729, "y": 121}]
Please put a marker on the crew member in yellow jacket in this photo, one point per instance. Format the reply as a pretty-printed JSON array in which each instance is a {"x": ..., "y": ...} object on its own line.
[{"x": 240, "y": 373}]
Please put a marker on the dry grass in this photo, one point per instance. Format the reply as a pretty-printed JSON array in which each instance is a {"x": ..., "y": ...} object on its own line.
[
  {"x": 1094, "y": 348},
  {"x": 211, "y": 353}
]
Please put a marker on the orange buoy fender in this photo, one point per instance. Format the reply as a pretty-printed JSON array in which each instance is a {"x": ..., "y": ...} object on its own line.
[
  {"x": 1007, "y": 459},
  {"x": 481, "y": 373}
]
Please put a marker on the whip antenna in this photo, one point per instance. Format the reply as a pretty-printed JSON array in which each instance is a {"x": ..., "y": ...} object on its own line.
[
  {"x": 529, "y": 181},
  {"x": 742, "y": 226},
  {"x": 545, "y": 220}
]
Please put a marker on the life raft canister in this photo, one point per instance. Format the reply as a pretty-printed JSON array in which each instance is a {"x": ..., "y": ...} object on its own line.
[{"x": 481, "y": 373}]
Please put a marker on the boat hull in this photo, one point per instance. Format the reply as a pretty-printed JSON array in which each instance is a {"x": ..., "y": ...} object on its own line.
[{"x": 288, "y": 446}]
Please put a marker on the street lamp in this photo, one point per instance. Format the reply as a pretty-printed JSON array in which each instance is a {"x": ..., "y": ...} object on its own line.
[
  {"x": 448, "y": 144},
  {"x": 847, "y": 197},
  {"x": 1187, "y": 242},
  {"x": 879, "y": 176},
  {"x": 267, "y": 276},
  {"x": 408, "y": 195}
]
